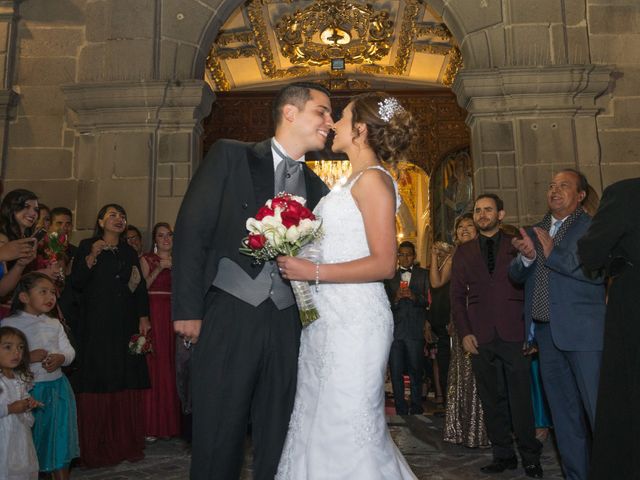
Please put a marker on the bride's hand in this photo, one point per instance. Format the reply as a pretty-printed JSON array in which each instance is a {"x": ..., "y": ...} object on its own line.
[{"x": 292, "y": 268}]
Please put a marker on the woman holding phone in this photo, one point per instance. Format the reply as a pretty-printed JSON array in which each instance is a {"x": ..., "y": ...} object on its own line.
[{"x": 18, "y": 215}]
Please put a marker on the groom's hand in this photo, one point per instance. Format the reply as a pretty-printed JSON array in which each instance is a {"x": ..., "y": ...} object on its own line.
[{"x": 188, "y": 329}]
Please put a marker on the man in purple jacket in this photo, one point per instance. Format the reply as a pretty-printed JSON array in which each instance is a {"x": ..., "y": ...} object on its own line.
[{"x": 488, "y": 312}]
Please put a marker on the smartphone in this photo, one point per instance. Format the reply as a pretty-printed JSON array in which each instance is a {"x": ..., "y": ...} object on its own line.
[{"x": 39, "y": 235}]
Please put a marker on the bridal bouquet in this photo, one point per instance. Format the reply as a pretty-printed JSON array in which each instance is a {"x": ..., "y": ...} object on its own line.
[
  {"x": 283, "y": 226},
  {"x": 140, "y": 345}
]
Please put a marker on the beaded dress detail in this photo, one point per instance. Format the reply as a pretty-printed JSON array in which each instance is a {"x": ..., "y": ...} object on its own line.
[{"x": 338, "y": 428}]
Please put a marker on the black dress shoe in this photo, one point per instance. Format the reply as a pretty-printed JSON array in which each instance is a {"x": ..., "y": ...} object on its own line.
[
  {"x": 534, "y": 470},
  {"x": 499, "y": 465}
]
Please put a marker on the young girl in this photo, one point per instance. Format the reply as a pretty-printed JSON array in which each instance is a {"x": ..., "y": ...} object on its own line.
[
  {"x": 18, "y": 459},
  {"x": 55, "y": 433}
]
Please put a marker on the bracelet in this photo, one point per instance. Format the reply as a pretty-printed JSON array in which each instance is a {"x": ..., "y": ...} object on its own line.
[{"x": 317, "y": 276}]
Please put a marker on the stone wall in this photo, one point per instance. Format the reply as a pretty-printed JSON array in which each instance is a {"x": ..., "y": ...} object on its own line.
[{"x": 614, "y": 37}]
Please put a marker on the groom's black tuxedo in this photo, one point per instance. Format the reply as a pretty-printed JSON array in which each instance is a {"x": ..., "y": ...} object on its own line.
[{"x": 244, "y": 365}]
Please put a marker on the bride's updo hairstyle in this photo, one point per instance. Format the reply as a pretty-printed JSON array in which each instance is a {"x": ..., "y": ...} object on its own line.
[{"x": 391, "y": 128}]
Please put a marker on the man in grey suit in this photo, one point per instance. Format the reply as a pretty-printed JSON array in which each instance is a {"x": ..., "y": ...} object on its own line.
[
  {"x": 567, "y": 310},
  {"x": 241, "y": 317}
]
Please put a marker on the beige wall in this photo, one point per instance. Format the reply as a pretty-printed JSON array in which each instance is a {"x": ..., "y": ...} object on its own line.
[{"x": 125, "y": 126}]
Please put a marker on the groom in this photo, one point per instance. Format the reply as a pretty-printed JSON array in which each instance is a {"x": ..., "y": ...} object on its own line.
[{"x": 241, "y": 317}]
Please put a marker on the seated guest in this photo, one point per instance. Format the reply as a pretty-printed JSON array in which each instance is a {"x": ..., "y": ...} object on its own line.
[{"x": 407, "y": 292}]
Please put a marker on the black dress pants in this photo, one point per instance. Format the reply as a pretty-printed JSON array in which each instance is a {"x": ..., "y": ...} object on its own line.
[
  {"x": 496, "y": 360},
  {"x": 244, "y": 368},
  {"x": 406, "y": 355}
]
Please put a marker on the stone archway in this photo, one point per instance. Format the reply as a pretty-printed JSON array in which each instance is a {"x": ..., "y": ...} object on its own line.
[{"x": 528, "y": 85}]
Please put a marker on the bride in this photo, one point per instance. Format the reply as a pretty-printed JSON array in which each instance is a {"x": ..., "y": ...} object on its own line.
[{"x": 338, "y": 428}]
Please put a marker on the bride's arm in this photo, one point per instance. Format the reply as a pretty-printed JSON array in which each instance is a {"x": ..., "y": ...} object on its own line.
[{"x": 374, "y": 194}]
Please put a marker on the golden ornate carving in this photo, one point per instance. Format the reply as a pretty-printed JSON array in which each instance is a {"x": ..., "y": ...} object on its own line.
[
  {"x": 344, "y": 83},
  {"x": 226, "y": 38},
  {"x": 433, "y": 30},
  {"x": 240, "y": 52},
  {"x": 407, "y": 34},
  {"x": 433, "y": 48},
  {"x": 330, "y": 29},
  {"x": 217, "y": 75},
  {"x": 256, "y": 19},
  {"x": 454, "y": 66},
  {"x": 357, "y": 33}
]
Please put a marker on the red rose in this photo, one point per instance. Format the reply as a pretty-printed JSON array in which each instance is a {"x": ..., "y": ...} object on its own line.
[
  {"x": 256, "y": 241},
  {"x": 306, "y": 213},
  {"x": 279, "y": 202},
  {"x": 264, "y": 212},
  {"x": 289, "y": 218}
]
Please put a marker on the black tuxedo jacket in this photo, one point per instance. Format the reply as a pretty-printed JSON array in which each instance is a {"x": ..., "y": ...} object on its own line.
[
  {"x": 409, "y": 316},
  {"x": 233, "y": 181}
]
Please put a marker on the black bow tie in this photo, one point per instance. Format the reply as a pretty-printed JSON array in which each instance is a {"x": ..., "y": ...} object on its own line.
[{"x": 405, "y": 270}]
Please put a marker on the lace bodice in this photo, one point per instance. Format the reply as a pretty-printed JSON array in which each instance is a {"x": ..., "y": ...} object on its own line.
[{"x": 344, "y": 234}]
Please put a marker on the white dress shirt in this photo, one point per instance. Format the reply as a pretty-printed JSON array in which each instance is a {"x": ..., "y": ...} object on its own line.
[
  {"x": 44, "y": 332},
  {"x": 276, "y": 156}
]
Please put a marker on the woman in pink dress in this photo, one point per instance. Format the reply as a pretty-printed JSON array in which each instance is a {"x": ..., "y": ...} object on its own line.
[{"x": 161, "y": 404}]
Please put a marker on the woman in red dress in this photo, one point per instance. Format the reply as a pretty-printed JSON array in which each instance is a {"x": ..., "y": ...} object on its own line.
[{"x": 161, "y": 404}]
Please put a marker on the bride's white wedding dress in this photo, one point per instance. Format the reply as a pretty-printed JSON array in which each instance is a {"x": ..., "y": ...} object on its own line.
[{"x": 338, "y": 428}]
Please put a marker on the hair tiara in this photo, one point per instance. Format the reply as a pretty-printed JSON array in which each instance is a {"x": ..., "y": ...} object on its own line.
[{"x": 388, "y": 107}]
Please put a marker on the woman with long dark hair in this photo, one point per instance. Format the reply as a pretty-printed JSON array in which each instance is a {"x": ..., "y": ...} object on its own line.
[
  {"x": 114, "y": 306},
  {"x": 18, "y": 216}
]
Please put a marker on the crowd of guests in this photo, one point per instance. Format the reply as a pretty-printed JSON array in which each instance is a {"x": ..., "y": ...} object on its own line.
[
  {"x": 522, "y": 314},
  {"x": 87, "y": 348},
  {"x": 512, "y": 322}
]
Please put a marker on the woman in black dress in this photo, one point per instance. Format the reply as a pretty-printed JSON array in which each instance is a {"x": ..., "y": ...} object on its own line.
[{"x": 109, "y": 380}]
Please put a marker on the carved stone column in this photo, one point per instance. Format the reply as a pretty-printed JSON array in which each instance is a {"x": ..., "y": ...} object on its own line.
[
  {"x": 527, "y": 123},
  {"x": 8, "y": 98},
  {"x": 136, "y": 144}
]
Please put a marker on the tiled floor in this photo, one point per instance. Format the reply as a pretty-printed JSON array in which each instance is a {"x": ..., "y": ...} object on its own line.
[{"x": 418, "y": 438}]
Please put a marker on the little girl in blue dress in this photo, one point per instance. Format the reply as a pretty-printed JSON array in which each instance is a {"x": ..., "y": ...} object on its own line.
[{"x": 55, "y": 432}]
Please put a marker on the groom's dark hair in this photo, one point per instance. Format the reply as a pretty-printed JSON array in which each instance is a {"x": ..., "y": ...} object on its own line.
[{"x": 298, "y": 94}]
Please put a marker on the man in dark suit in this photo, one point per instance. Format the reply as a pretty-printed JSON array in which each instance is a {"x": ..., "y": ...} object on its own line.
[
  {"x": 567, "y": 309},
  {"x": 407, "y": 292},
  {"x": 241, "y": 317},
  {"x": 612, "y": 243},
  {"x": 487, "y": 311}
]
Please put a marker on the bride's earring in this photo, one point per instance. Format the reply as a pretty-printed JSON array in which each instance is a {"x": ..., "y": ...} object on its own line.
[{"x": 155, "y": 248}]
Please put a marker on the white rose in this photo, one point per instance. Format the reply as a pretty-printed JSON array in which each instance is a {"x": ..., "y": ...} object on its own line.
[
  {"x": 254, "y": 226},
  {"x": 306, "y": 226},
  {"x": 300, "y": 200},
  {"x": 271, "y": 221},
  {"x": 275, "y": 235},
  {"x": 268, "y": 203},
  {"x": 293, "y": 234}
]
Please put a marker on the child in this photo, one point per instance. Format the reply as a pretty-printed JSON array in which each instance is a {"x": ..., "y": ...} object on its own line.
[
  {"x": 55, "y": 433},
  {"x": 18, "y": 459}
]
